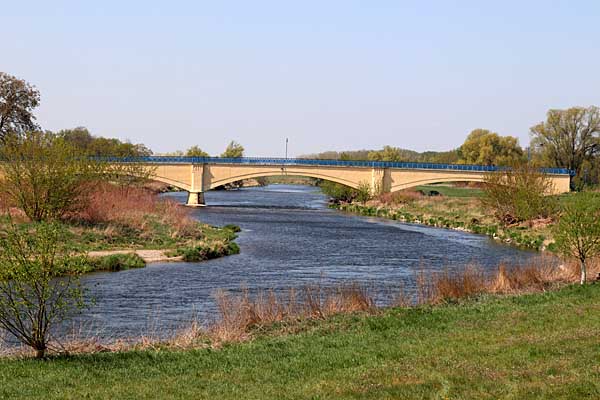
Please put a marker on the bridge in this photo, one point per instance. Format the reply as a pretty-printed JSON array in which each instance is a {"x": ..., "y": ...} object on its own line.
[{"x": 197, "y": 175}]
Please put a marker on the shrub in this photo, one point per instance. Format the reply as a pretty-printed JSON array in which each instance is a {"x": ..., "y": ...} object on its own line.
[
  {"x": 116, "y": 262},
  {"x": 204, "y": 251},
  {"x": 233, "y": 228},
  {"x": 518, "y": 194},
  {"x": 577, "y": 233},
  {"x": 39, "y": 286},
  {"x": 363, "y": 192},
  {"x": 337, "y": 191},
  {"x": 132, "y": 207}
]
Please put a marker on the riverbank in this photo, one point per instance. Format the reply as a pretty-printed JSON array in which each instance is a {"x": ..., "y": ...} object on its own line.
[
  {"x": 452, "y": 208},
  {"x": 121, "y": 228},
  {"x": 532, "y": 346}
]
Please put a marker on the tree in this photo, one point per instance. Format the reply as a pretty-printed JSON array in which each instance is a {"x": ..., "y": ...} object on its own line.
[
  {"x": 17, "y": 101},
  {"x": 388, "y": 153},
  {"x": 569, "y": 137},
  {"x": 233, "y": 150},
  {"x": 577, "y": 233},
  {"x": 48, "y": 178},
  {"x": 484, "y": 147},
  {"x": 39, "y": 285},
  {"x": 519, "y": 193},
  {"x": 91, "y": 145},
  {"x": 196, "y": 151}
]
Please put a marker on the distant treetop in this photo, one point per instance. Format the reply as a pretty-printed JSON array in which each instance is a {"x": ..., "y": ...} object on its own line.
[
  {"x": 17, "y": 101},
  {"x": 92, "y": 145}
]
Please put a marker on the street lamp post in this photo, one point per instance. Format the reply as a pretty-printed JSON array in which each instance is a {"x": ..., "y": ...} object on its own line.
[{"x": 286, "y": 148}]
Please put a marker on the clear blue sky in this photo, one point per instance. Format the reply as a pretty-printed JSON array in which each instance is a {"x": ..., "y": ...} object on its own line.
[{"x": 326, "y": 74}]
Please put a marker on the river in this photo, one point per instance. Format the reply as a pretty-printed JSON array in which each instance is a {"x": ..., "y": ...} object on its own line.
[{"x": 289, "y": 238}]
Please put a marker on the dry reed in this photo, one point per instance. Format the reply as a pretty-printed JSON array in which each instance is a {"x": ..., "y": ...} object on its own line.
[
  {"x": 400, "y": 197},
  {"x": 130, "y": 206},
  {"x": 536, "y": 275},
  {"x": 242, "y": 315}
]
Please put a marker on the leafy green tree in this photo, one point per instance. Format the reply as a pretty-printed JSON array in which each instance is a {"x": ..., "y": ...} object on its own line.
[
  {"x": 568, "y": 138},
  {"x": 39, "y": 285},
  {"x": 388, "y": 153},
  {"x": 577, "y": 233},
  {"x": 444, "y": 157},
  {"x": 91, "y": 145},
  {"x": 484, "y": 147},
  {"x": 519, "y": 193},
  {"x": 233, "y": 150},
  {"x": 17, "y": 101},
  {"x": 196, "y": 151}
]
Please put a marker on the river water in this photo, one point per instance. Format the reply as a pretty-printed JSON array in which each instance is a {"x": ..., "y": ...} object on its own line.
[{"x": 289, "y": 238}]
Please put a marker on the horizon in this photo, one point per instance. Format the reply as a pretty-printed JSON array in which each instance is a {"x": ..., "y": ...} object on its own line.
[{"x": 341, "y": 76}]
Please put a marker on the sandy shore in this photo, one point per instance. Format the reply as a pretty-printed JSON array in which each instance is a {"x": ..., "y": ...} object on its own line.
[{"x": 149, "y": 256}]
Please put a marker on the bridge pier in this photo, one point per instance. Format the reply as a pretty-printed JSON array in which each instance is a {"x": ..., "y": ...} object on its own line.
[{"x": 195, "y": 199}]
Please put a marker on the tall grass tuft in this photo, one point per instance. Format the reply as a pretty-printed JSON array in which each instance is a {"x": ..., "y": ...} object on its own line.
[
  {"x": 536, "y": 275},
  {"x": 241, "y": 313}
]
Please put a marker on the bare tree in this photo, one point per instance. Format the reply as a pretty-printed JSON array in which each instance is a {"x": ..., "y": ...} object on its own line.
[{"x": 17, "y": 101}]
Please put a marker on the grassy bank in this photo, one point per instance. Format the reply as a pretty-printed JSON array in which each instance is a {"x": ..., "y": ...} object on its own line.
[
  {"x": 117, "y": 218},
  {"x": 453, "y": 208},
  {"x": 531, "y": 346}
]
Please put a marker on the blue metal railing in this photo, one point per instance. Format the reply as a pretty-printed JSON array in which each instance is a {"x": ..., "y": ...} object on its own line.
[{"x": 300, "y": 161}]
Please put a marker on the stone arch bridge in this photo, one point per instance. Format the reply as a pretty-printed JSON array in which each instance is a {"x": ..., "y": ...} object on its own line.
[{"x": 197, "y": 175}]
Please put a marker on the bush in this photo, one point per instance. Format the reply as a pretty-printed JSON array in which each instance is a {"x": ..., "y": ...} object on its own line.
[
  {"x": 578, "y": 230},
  {"x": 39, "y": 287},
  {"x": 203, "y": 251},
  {"x": 233, "y": 228},
  {"x": 337, "y": 191},
  {"x": 519, "y": 194},
  {"x": 116, "y": 262},
  {"x": 363, "y": 193}
]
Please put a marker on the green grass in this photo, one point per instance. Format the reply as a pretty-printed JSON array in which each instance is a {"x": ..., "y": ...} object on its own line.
[
  {"x": 451, "y": 191},
  {"x": 156, "y": 235},
  {"x": 528, "y": 347}
]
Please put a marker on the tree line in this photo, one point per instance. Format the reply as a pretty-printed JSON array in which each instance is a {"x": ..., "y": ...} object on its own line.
[{"x": 566, "y": 139}]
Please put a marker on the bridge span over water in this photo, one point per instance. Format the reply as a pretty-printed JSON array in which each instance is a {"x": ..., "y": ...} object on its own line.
[{"x": 197, "y": 175}]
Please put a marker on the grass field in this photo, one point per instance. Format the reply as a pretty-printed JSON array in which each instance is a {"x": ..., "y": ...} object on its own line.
[{"x": 526, "y": 347}]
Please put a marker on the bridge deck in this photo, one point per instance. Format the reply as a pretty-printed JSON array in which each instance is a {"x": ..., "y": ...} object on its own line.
[{"x": 340, "y": 163}]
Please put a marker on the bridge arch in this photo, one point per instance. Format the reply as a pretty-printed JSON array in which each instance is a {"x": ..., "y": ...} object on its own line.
[
  {"x": 316, "y": 175},
  {"x": 170, "y": 182}
]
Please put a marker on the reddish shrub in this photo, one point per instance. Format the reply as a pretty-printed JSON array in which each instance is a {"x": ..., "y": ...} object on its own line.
[{"x": 108, "y": 203}]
